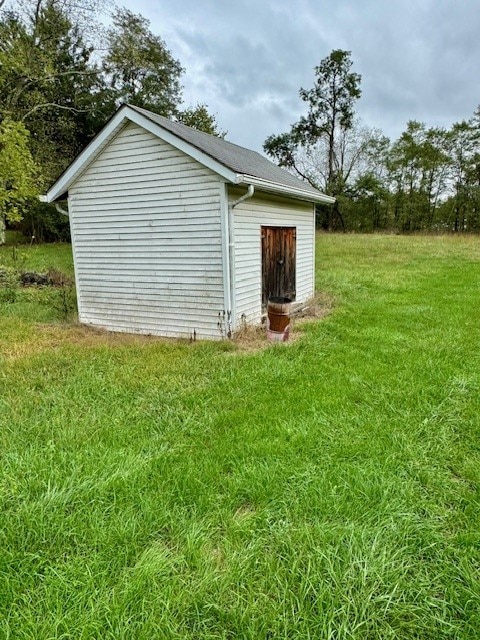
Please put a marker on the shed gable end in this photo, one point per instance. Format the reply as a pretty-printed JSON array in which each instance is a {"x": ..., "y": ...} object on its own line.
[{"x": 146, "y": 234}]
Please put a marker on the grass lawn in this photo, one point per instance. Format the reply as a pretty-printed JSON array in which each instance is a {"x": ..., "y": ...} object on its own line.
[{"x": 324, "y": 489}]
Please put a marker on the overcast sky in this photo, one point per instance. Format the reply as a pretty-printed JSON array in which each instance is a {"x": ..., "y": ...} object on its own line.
[{"x": 247, "y": 59}]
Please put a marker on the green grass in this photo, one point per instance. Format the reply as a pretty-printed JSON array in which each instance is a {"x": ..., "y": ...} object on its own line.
[{"x": 325, "y": 489}]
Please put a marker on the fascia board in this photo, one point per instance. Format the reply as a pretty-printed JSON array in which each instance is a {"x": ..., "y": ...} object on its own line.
[
  {"x": 124, "y": 115},
  {"x": 275, "y": 187}
]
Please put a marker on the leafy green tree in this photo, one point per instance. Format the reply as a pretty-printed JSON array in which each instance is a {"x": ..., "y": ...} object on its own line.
[
  {"x": 18, "y": 173},
  {"x": 48, "y": 83},
  {"x": 367, "y": 204},
  {"x": 35, "y": 36},
  {"x": 75, "y": 101},
  {"x": 140, "y": 68},
  {"x": 330, "y": 104},
  {"x": 51, "y": 85}
]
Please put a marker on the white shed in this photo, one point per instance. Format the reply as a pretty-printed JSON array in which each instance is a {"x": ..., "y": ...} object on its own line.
[{"x": 179, "y": 233}]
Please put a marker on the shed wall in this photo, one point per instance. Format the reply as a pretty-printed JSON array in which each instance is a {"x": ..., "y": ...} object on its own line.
[
  {"x": 249, "y": 217},
  {"x": 146, "y": 235}
]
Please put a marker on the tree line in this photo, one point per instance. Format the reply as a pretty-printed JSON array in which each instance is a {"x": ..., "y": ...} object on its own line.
[
  {"x": 428, "y": 179},
  {"x": 63, "y": 75}
]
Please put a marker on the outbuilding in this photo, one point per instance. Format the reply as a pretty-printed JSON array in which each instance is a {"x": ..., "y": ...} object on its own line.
[{"x": 179, "y": 233}]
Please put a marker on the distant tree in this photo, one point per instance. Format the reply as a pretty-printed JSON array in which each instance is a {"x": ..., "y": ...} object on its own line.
[
  {"x": 465, "y": 174},
  {"x": 199, "y": 118},
  {"x": 418, "y": 165},
  {"x": 140, "y": 68},
  {"x": 330, "y": 114},
  {"x": 351, "y": 156},
  {"x": 367, "y": 204},
  {"x": 367, "y": 197}
]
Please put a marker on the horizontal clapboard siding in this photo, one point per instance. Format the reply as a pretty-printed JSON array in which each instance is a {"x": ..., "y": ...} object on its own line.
[
  {"x": 249, "y": 217},
  {"x": 146, "y": 235}
]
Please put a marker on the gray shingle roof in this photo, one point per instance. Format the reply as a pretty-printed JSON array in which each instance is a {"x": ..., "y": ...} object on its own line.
[{"x": 238, "y": 159}]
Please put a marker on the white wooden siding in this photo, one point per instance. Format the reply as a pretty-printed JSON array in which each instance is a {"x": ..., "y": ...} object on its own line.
[
  {"x": 146, "y": 234},
  {"x": 249, "y": 217}
]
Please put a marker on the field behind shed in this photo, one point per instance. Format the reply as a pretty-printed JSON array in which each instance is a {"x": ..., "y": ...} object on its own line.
[{"x": 324, "y": 489}]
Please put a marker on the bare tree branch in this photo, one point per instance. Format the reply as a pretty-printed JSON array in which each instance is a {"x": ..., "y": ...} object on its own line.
[{"x": 56, "y": 106}]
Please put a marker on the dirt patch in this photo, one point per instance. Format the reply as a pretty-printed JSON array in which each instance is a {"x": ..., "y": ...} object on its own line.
[
  {"x": 316, "y": 308},
  {"x": 251, "y": 338},
  {"x": 52, "y": 278}
]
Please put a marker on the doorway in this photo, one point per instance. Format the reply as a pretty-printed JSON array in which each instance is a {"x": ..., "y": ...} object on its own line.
[{"x": 279, "y": 247}]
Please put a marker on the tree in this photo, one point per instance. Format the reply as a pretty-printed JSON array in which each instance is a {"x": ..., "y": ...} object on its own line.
[
  {"x": 366, "y": 204},
  {"x": 351, "y": 156},
  {"x": 50, "y": 88},
  {"x": 48, "y": 83},
  {"x": 140, "y": 68},
  {"x": 418, "y": 166},
  {"x": 54, "y": 83},
  {"x": 17, "y": 173},
  {"x": 330, "y": 115},
  {"x": 329, "y": 118},
  {"x": 81, "y": 13},
  {"x": 34, "y": 36},
  {"x": 368, "y": 195}
]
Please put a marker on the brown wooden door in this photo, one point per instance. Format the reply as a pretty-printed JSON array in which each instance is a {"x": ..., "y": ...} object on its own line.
[{"x": 278, "y": 262}]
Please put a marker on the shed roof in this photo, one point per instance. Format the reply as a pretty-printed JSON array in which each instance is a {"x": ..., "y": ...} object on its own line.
[
  {"x": 236, "y": 164},
  {"x": 239, "y": 159}
]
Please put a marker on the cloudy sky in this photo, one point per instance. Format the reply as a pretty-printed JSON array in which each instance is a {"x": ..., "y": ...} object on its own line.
[{"x": 247, "y": 59}]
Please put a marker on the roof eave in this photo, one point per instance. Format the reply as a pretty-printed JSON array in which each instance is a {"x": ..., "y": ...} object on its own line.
[{"x": 286, "y": 190}]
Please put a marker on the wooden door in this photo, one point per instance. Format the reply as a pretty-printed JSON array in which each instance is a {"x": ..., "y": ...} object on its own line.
[{"x": 278, "y": 262}]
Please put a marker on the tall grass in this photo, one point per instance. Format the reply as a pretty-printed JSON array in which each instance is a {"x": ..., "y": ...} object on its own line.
[{"x": 325, "y": 489}]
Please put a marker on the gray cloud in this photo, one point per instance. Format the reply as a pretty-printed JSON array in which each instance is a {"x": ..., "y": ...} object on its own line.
[{"x": 247, "y": 59}]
